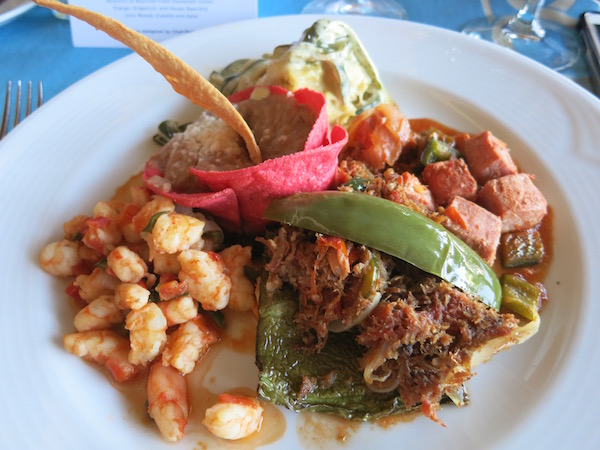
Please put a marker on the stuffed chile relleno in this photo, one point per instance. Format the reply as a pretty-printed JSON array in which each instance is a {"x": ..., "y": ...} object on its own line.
[{"x": 419, "y": 333}]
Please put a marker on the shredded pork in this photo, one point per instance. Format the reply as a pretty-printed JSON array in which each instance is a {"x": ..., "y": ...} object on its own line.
[{"x": 418, "y": 339}]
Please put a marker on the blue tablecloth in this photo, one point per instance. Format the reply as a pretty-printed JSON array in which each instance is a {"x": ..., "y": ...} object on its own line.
[{"x": 37, "y": 45}]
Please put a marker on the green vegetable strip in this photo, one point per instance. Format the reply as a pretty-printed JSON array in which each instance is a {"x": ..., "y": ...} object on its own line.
[
  {"x": 395, "y": 230},
  {"x": 520, "y": 296},
  {"x": 522, "y": 248},
  {"x": 150, "y": 225},
  {"x": 437, "y": 150}
]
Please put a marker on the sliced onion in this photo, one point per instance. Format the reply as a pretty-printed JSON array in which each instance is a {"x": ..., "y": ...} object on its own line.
[
  {"x": 493, "y": 346},
  {"x": 345, "y": 323}
]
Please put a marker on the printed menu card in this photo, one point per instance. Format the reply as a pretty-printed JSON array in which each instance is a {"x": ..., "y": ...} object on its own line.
[{"x": 159, "y": 19}]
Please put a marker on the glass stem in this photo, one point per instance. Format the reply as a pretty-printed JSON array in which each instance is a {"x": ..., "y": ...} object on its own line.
[{"x": 525, "y": 24}]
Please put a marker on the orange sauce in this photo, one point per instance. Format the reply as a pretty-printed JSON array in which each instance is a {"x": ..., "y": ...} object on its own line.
[
  {"x": 241, "y": 331},
  {"x": 316, "y": 430},
  {"x": 422, "y": 124},
  {"x": 392, "y": 421}
]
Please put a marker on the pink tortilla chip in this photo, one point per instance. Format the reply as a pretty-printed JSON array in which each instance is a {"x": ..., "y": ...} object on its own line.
[{"x": 239, "y": 197}]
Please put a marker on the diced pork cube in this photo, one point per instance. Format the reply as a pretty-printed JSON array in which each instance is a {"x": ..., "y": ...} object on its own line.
[
  {"x": 516, "y": 200},
  {"x": 476, "y": 226},
  {"x": 447, "y": 179},
  {"x": 488, "y": 157},
  {"x": 408, "y": 190}
]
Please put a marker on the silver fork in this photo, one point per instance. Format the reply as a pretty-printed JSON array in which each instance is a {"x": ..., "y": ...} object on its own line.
[{"x": 4, "y": 127}]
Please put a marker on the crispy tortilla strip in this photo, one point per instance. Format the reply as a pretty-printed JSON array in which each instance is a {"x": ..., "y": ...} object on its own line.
[
  {"x": 238, "y": 198},
  {"x": 185, "y": 80}
]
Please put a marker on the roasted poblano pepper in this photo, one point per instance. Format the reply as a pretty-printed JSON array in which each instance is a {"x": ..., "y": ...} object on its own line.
[
  {"x": 393, "y": 229},
  {"x": 329, "y": 381}
]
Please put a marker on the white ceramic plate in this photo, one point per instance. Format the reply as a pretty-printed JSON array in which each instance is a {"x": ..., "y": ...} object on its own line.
[
  {"x": 83, "y": 143},
  {"x": 9, "y": 9}
]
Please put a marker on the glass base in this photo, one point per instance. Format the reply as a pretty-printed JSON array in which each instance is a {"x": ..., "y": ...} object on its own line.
[
  {"x": 380, "y": 8},
  {"x": 551, "y": 44}
]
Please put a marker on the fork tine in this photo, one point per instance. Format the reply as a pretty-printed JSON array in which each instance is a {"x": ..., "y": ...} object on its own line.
[
  {"x": 18, "y": 103},
  {"x": 17, "y": 118},
  {"x": 4, "y": 126},
  {"x": 40, "y": 97},
  {"x": 28, "y": 99}
]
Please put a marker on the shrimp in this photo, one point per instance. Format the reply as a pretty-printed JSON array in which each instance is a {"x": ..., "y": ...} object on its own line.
[
  {"x": 168, "y": 402},
  {"x": 95, "y": 284},
  {"x": 204, "y": 275},
  {"x": 154, "y": 206},
  {"x": 140, "y": 195},
  {"x": 234, "y": 417},
  {"x": 126, "y": 265},
  {"x": 99, "y": 314},
  {"x": 75, "y": 228},
  {"x": 60, "y": 258},
  {"x": 131, "y": 296},
  {"x": 126, "y": 226},
  {"x": 179, "y": 310},
  {"x": 242, "y": 297},
  {"x": 175, "y": 232},
  {"x": 109, "y": 210},
  {"x": 102, "y": 232},
  {"x": 170, "y": 287},
  {"x": 103, "y": 347},
  {"x": 89, "y": 256},
  {"x": 147, "y": 333},
  {"x": 189, "y": 343},
  {"x": 166, "y": 264}
]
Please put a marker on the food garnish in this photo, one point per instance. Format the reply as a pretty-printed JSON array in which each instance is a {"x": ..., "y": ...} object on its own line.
[{"x": 184, "y": 79}]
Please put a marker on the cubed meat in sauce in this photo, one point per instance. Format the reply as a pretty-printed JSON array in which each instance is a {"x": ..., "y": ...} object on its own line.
[
  {"x": 447, "y": 179},
  {"x": 488, "y": 157},
  {"x": 476, "y": 226},
  {"x": 516, "y": 200}
]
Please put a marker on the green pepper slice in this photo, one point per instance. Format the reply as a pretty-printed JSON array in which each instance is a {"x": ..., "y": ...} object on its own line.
[
  {"x": 437, "y": 150},
  {"x": 522, "y": 248},
  {"x": 520, "y": 296},
  {"x": 393, "y": 229}
]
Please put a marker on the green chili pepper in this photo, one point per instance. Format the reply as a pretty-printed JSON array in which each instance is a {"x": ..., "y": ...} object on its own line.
[
  {"x": 154, "y": 296},
  {"x": 520, "y": 296},
  {"x": 358, "y": 184},
  {"x": 522, "y": 248},
  {"x": 148, "y": 228},
  {"x": 167, "y": 129},
  {"x": 370, "y": 277},
  {"x": 393, "y": 229},
  {"x": 217, "y": 317},
  {"x": 215, "y": 236},
  {"x": 437, "y": 150},
  {"x": 102, "y": 264}
]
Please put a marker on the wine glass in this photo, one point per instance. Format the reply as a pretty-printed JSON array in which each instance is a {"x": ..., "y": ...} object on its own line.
[
  {"x": 382, "y": 8},
  {"x": 545, "y": 41}
]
